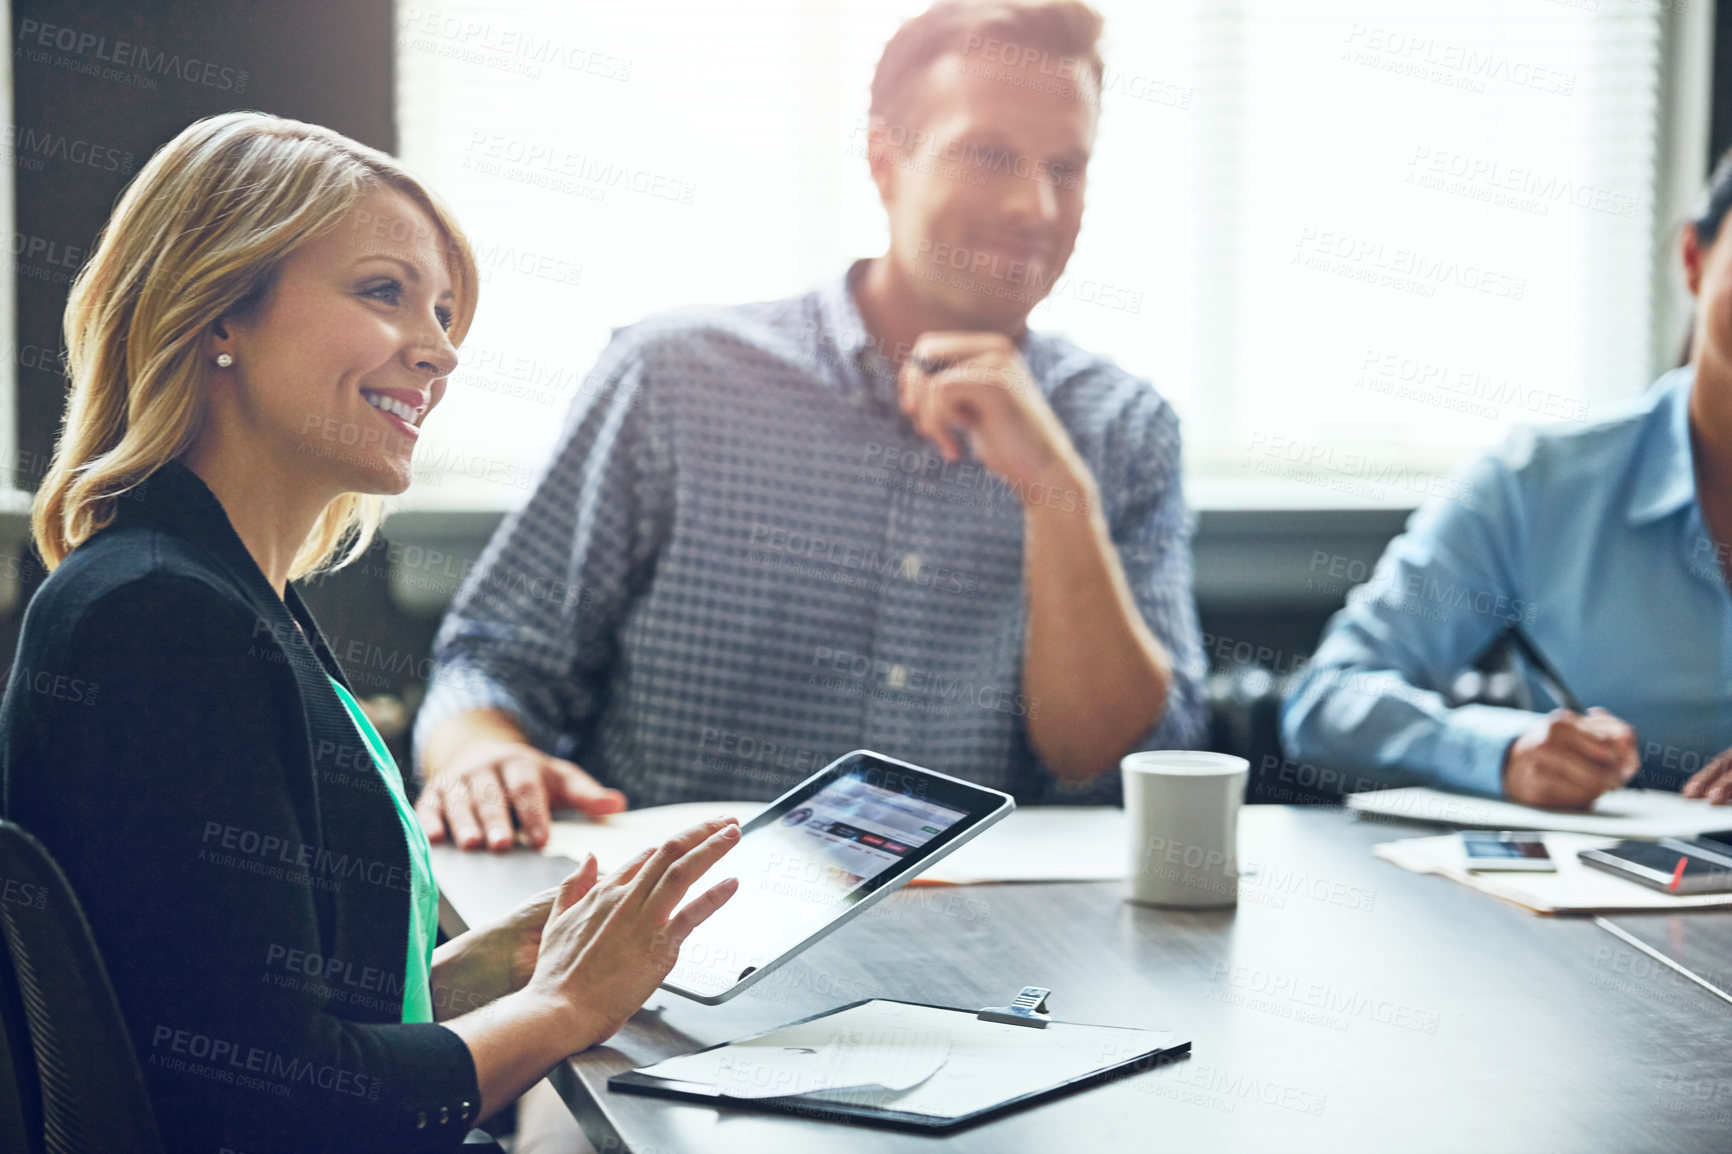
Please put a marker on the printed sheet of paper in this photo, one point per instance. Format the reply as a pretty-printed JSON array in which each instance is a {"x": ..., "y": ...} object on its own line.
[
  {"x": 1574, "y": 888},
  {"x": 615, "y": 838},
  {"x": 1049, "y": 843},
  {"x": 1043, "y": 843},
  {"x": 1621, "y": 813},
  {"x": 985, "y": 1063},
  {"x": 875, "y": 1046}
]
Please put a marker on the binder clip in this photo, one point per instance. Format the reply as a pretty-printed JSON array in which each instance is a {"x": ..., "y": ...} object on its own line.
[{"x": 1026, "y": 1009}]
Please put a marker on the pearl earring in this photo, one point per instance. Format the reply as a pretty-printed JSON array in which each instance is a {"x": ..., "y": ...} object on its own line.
[{"x": 225, "y": 360}]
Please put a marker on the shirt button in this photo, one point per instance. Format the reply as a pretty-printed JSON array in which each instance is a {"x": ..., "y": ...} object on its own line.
[
  {"x": 421, "y": 1120},
  {"x": 444, "y": 1115},
  {"x": 897, "y": 677},
  {"x": 911, "y": 566}
]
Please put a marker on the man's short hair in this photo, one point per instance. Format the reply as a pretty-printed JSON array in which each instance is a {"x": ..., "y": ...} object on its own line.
[{"x": 1063, "y": 36}]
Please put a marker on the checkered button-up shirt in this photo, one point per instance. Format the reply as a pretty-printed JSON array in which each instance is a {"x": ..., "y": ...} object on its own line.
[{"x": 742, "y": 562}]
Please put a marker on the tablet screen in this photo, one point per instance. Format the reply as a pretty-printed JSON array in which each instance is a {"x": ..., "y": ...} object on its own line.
[{"x": 858, "y": 825}]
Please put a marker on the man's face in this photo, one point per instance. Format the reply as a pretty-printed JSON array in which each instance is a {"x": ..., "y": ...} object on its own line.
[{"x": 984, "y": 188}]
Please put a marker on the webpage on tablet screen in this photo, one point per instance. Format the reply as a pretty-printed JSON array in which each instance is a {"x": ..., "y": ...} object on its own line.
[{"x": 800, "y": 870}]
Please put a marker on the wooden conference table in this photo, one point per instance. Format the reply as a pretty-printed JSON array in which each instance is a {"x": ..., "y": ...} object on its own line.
[{"x": 1345, "y": 1004}]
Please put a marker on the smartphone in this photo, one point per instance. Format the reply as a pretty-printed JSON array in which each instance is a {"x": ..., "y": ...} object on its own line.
[
  {"x": 1707, "y": 863},
  {"x": 1489, "y": 850},
  {"x": 1720, "y": 841}
]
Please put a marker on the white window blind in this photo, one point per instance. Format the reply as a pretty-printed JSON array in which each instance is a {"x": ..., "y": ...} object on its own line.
[{"x": 1353, "y": 241}]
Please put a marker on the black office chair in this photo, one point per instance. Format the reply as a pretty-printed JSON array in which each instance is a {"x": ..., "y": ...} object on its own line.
[
  {"x": 90, "y": 1094},
  {"x": 20, "y": 1096},
  {"x": 70, "y": 1081},
  {"x": 1245, "y": 720}
]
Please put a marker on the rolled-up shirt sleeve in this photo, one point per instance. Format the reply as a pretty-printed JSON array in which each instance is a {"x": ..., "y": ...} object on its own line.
[
  {"x": 1372, "y": 703},
  {"x": 533, "y": 628},
  {"x": 1153, "y": 534},
  {"x": 1151, "y": 529}
]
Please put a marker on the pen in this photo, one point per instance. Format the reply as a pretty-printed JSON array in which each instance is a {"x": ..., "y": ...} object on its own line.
[{"x": 1548, "y": 676}]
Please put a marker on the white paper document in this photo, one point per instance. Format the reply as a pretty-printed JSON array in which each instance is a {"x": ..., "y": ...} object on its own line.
[
  {"x": 1048, "y": 843},
  {"x": 615, "y": 838},
  {"x": 1621, "y": 813},
  {"x": 941, "y": 1063},
  {"x": 1043, "y": 843},
  {"x": 878, "y": 1048},
  {"x": 1574, "y": 889}
]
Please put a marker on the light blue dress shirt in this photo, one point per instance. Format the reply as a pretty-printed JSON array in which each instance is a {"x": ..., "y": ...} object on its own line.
[{"x": 1589, "y": 537}]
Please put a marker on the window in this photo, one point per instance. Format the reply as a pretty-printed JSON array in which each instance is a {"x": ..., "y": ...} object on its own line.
[{"x": 1353, "y": 241}]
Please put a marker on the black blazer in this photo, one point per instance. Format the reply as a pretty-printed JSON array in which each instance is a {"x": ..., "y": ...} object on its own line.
[{"x": 169, "y": 733}]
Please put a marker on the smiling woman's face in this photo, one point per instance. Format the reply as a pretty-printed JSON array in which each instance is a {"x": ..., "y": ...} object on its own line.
[{"x": 337, "y": 367}]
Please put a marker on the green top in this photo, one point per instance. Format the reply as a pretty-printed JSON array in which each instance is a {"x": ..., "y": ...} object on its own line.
[{"x": 423, "y": 893}]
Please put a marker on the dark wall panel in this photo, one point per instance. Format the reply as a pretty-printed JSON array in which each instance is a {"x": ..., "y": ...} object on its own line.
[
  {"x": 1720, "y": 111},
  {"x": 99, "y": 85}
]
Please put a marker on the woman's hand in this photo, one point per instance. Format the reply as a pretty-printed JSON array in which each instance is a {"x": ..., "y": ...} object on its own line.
[
  {"x": 490, "y": 961},
  {"x": 604, "y": 947},
  {"x": 608, "y": 944},
  {"x": 496, "y": 959}
]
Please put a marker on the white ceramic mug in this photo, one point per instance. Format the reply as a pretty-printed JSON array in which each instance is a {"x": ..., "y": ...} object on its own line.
[{"x": 1183, "y": 808}]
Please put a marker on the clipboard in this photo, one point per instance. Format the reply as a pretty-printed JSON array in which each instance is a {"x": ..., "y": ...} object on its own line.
[{"x": 998, "y": 1060}]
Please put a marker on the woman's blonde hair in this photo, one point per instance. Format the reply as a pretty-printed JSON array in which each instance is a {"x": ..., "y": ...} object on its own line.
[{"x": 197, "y": 235}]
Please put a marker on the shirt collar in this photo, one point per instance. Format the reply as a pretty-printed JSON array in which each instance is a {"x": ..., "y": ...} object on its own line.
[
  {"x": 858, "y": 366},
  {"x": 842, "y": 325},
  {"x": 863, "y": 366},
  {"x": 1665, "y": 479}
]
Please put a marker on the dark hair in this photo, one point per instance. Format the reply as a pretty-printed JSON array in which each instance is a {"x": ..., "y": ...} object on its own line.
[
  {"x": 1068, "y": 29},
  {"x": 1710, "y": 214},
  {"x": 1716, "y": 200}
]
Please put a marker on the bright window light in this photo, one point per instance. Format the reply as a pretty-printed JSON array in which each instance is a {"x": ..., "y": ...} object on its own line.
[{"x": 1353, "y": 241}]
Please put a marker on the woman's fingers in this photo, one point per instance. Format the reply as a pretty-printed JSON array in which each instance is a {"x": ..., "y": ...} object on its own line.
[
  {"x": 540, "y": 907},
  {"x": 691, "y": 866},
  {"x": 673, "y": 850},
  {"x": 572, "y": 890},
  {"x": 634, "y": 902},
  {"x": 625, "y": 873},
  {"x": 669, "y": 851},
  {"x": 699, "y": 908},
  {"x": 608, "y": 944}
]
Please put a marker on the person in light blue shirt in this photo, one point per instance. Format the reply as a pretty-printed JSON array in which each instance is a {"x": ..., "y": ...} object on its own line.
[{"x": 1606, "y": 545}]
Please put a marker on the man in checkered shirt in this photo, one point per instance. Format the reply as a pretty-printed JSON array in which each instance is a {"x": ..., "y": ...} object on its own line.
[{"x": 882, "y": 515}]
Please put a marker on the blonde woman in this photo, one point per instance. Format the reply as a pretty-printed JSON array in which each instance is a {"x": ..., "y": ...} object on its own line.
[{"x": 266, "y": 323}]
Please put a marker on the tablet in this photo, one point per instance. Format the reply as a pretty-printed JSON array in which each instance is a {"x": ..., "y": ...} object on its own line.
[{"x": 820, "y": 854}]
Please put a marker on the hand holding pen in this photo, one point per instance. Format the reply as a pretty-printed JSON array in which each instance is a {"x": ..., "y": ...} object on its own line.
[{"x": 1572, "y": 755}]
